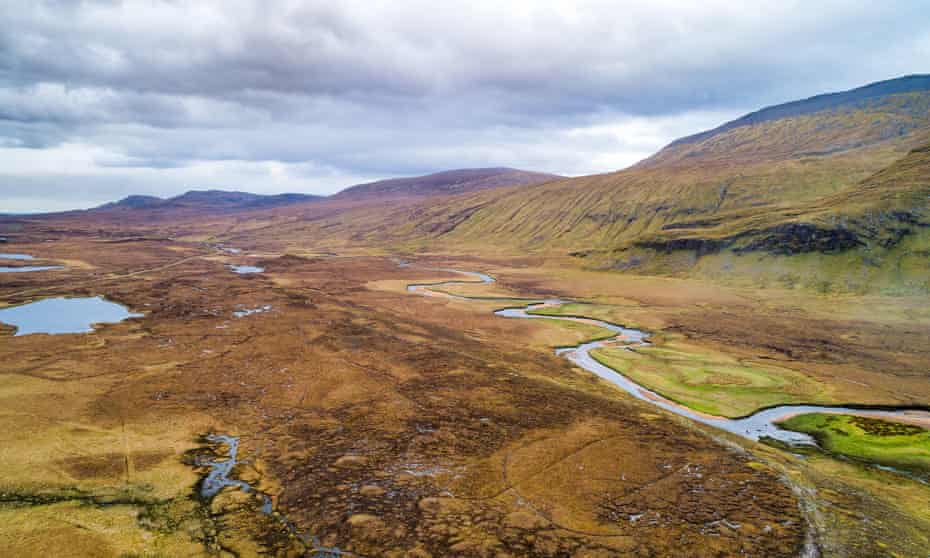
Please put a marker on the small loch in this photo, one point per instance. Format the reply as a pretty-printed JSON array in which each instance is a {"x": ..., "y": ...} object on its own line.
[
  {"x": 64, "y": 315},
  {"x": 24, "y": 268},
  {"x": 244, "y": 269}
]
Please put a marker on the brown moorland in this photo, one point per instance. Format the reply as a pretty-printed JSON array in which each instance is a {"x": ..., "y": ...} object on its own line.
[
  {"x": 388, "y": 424},
  {"x": 379, "y": 422},
  {"x": 384, "y": 423}
]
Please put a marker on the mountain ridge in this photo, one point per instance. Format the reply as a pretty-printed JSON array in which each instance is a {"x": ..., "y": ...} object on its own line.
[
  {"x": 782, "y": 188},
  {"x": 449, "y": 182},
  {"x": 816, "y": 103},
  {"x": 455, "y": 181},
  {"x": 205, "y": 200}
]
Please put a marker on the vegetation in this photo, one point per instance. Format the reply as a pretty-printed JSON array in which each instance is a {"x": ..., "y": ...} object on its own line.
[
  {"x": 893, "y": 444},
  {"x": 848, "y": 180},
  {"x": 598, "y": 312},
  {"x": 585, "y": 332},
  {"x": 711, "y": 382},
  {"x": 383, "y": 423},
  {"x": 761, "y": 258}
]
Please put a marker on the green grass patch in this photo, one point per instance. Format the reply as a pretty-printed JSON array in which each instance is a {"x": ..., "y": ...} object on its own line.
[
  {"x": 712, "y": 382},
  {"x": 596, "y": 311},
  {"x": 587, "y": 332},
  {"x": 902, "y": 446}
]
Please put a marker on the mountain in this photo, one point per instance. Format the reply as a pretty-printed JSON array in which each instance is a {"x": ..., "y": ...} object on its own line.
[
  {"x": 208, "y": 201},
  {"x": 828, "y": 192},
  {"x": 134, "y": 202},
  {"x": 854, "y": 97},
  {"x": 441, "y": 183},
  {"x": 831, "y": 178},
  {"x": 446, "y": 183}
]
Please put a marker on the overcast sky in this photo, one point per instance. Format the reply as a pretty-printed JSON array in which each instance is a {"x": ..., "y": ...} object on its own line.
[{"x": 101, "y": 99}]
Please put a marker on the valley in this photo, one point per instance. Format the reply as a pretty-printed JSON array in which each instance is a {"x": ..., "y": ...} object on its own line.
[{"x": 721, "y": 349}]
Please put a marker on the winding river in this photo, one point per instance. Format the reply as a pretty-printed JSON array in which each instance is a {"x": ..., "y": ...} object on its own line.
[{"x": 761, "y": 424}]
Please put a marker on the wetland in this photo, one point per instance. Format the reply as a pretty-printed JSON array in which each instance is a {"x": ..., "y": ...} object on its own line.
[{"x": 377, "y": 423}]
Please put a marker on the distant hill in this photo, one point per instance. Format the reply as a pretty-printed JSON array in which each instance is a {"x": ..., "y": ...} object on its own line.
[
  {"x": 441, "y": 183},
  {"x": 208, "y": 201},
  {"x": 447, "y": 182},
  {"x": 833, "y": 181}
]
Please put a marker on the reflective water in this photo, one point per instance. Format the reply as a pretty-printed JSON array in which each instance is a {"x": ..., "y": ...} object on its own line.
[
  {"x": 249, "y": 311},
  {"x": 64, "y": 315},
  {"x": 23, "y": 269},
  {"x": 762, "y": 424},
  {"x": 243, "y": 269},
  {"x": 219, "y": 478},
  {"x": 28, "y": 268}
]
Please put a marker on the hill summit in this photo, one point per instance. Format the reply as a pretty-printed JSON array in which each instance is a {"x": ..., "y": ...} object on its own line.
[{"x": 447, "y": 182}]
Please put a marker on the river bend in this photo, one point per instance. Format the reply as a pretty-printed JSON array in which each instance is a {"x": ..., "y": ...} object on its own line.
[{"x": 761, "y": 424}]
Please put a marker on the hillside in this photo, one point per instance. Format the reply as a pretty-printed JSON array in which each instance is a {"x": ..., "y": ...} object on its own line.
[
  {"x": 802, "y": 180},
  {"x": 361, "y": 205},
  {"x": 860, "y": 96},
  {"x": 828, "y": 193},
  {"x": 753, "y": 168},
  {"x": 447, "y": 182}
]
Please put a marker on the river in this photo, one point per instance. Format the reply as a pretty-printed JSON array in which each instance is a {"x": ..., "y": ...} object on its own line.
[{"x": 761, "y": 424}]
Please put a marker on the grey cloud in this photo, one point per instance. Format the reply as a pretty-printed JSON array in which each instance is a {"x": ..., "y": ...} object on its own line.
[
  {"x": 385, "y": 88},
  {"x": 611, "y": 52}
]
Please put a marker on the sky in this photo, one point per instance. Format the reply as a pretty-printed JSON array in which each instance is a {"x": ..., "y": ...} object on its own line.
[{"x": 103, "y": 99}]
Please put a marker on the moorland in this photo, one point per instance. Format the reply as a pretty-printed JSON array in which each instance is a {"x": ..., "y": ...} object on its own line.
[{"x": 779, "y": 259}]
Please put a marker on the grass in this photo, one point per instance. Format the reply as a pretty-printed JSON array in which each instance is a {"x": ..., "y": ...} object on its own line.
[
  {"x": 598, "y": 312},
  {"x": 585, "y": 332},
  {"x": 898, "y": 445},
  {"x": 735, "y": 187},
  {"x": 711, "y": 382}
]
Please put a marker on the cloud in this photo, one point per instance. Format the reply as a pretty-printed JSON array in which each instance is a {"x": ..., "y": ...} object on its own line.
[{"x": 161, "y": 90}]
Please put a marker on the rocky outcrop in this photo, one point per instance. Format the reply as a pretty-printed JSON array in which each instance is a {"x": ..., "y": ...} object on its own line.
[{"x": 798, "y": 238}]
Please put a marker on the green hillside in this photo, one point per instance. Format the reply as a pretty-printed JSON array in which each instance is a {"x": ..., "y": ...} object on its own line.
[
  {"x": 834, "y": 185},
  {"x": 840, "y": 189},
  {"x": 753, "y": 170}
]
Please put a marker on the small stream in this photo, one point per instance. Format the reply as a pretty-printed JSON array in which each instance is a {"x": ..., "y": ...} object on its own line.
[
  {"x": 761, "y": 424},
  {"x": 219, "y": 478}
]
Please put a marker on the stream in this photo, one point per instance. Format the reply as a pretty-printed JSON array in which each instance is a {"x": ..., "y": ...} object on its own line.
[
  {"x": 219, "y": 478},
  {"x": 759, "y": 425}
]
